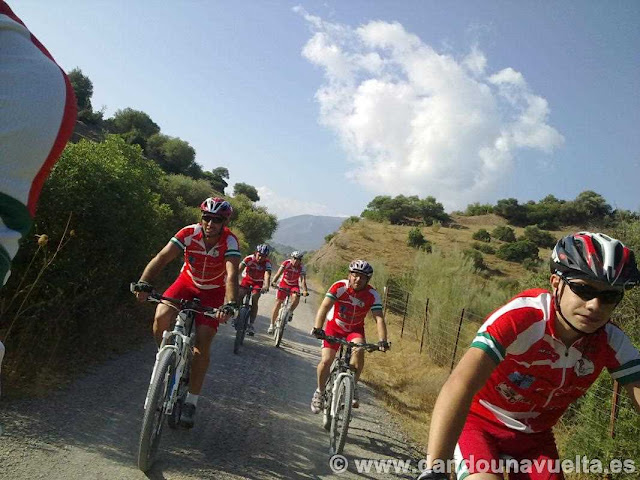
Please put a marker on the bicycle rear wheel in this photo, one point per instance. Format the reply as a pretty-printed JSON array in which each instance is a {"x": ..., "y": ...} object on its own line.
[
  {"x": 282, "y": 321},
  {"x": 152, "y": 422},
  {"x": 341, "y": 417},
  {"x": 241, "y": 328}
]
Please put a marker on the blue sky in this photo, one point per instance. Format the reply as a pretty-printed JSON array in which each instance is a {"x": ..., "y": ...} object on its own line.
[{"x": 323, "y": 105}]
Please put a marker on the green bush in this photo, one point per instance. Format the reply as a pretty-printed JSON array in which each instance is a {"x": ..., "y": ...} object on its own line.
[
  {"x": 415, "y": 238},
  {"x": 482, "y": 235},
  {"x": 107, "y": 194},
  {"x": 484, "y": 248},
  {"x": 504, "y": 233},
  {"x": 327, "y": 238},
  {"x": 477, "y": 260},
  {"x": 518, "y": 251},
  {"x": 539, "y": 237}
]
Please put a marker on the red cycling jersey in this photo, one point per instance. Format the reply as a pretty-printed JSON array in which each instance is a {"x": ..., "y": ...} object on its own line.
[
  {"x": 206, "y": 269},
  {"x": 254, "y": 270},
  {"x": 537, "y": 376},
  {"x": 291, "y": 274},
  {"x": 351, "y": 307}
]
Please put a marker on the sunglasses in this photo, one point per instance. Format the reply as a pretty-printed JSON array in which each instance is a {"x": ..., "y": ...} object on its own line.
[
  {"x": 586, "y": 293},
  {"x": 208, "y": 218}
]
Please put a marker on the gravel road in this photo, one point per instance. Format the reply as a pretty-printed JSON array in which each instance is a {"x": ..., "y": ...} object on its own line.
[{"x": 253, "y": 419}]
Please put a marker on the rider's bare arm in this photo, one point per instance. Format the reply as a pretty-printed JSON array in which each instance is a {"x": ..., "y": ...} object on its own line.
[
  {"x": 325, "y": 306},
  {"x": 381, "y": 326},
  {"x": 232, "y": 266},
  {"x": 267, "y": 278},
  {"x": 170, "y": 252},
  {"x": 634, "y": 392},
  {"x": 303, "y": 280},
  {"x": 278, "y": 273},
  {"x": 454, "y": 401}
]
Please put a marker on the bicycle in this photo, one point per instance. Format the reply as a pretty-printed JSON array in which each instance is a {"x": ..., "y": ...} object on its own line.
[
  {"x": 284, "y": 315},
  {"x": 169, "y": 382},
  {"x": 338, "y": 392},
  {"x": 242, "y": 320}
]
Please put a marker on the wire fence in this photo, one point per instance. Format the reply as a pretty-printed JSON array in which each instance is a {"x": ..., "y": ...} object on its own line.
[{"x": 445, "y": 340}]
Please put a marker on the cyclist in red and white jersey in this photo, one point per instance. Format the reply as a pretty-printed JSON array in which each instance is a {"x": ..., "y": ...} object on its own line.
[
  {"x": 345, "y": 307},
  {"x": 256, "y": 275},
  {"x": 534, "y": 357},
  {"x": 210, "y": 272},
  {"x": 293, "y": 272}
]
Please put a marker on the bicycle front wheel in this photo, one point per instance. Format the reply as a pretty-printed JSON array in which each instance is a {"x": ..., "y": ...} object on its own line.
[
  {"x": 152, "y": 422},
  {"x": 342, "y": 416},
  {"x": 282, "y": 321},
  {"x": 241, "y": 329}
]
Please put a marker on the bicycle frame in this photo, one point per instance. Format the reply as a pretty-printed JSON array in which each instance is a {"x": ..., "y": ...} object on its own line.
[{"x": 181, "y": 339}]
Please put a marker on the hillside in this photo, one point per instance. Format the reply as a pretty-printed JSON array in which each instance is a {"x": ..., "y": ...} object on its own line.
[
  {"x": 387, "y": 244},
  {"x": 305, "y": 232}
]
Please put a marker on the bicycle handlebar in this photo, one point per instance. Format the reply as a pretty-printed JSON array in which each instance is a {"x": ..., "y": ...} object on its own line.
[
  {"x": 289, "y": 292},
  {"x": 181, "y": 304},
  {"x": 369, "y": 347}
]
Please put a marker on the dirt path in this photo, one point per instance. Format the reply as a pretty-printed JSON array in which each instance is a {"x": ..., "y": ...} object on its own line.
[{"x": 253, "y": 419}]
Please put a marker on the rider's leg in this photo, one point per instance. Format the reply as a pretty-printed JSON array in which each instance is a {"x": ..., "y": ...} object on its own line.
[
  {"x": 162, "y": 321},
  {"x": 294, "y": 302},
  {"x": 255, "y": 298},
  {"x": 276, "y": 309},
  {"x": 324, "y": 367},
  {"x": 200, "y": 363},
  {"x": 357, "y": 358}
]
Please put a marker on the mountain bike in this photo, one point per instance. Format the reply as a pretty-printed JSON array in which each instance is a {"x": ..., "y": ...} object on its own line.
[
  {"x": 244, "y": 315},
  {"x": 169, "y": 383},
  {"x": 338, "y": 392},
  {"x": 284, "y": 315}
]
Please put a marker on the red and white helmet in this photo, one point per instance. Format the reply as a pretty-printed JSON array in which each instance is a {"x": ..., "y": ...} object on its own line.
[
  {"x": 595, "y": 256},
  {"x": 216, "y": 206}
]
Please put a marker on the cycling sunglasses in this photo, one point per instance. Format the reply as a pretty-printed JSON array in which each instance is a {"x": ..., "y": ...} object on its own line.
[
  {"x": 587, "y": 292},
  {"x": 211, "y": 218}
]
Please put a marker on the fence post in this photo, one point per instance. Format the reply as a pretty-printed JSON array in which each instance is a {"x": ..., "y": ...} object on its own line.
[
  {"x": 384, "y": 303},
  {"x": 424, "y": 325},
  {"x": 404, "y": 316},
  {"x": 455, "y": 347},
  {"x": 615, "y": 402}
]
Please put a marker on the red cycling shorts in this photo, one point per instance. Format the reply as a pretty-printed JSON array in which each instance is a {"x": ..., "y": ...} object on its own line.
[
  {"x": 332, "y": 329},
  {"x": 184, "y": 288},
  {"x": 282, "y": 296},
  {"x": 483, "y": 443},
  {"x": 249, "y": 283}
]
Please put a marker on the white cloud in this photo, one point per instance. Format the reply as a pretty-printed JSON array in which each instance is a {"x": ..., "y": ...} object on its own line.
[
  {"x": 415, "y": 121},
  {"x": 284, "y": 207}
]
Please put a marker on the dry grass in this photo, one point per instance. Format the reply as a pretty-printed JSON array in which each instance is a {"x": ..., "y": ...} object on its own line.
[
  {"x": 387, "y": 244},
  {"x": 407, "y": 382}
]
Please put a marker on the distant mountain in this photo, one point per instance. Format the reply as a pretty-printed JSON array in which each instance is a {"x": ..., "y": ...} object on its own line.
[{"x": 305, "y": 232}]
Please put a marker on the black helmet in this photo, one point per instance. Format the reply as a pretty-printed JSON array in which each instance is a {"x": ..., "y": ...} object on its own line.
[{"x": 595, "y": 256}]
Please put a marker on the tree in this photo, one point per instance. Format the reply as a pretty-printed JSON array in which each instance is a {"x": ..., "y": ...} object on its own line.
[
  {"x": 216, "y": 178},
  {"x": 591, "y": 206},
  {"x": 478, "y": 209},
  {"x": 402, "y": 210},
  {"x": 504, "y": 233},
  {"x": 247, "y": 190},
  {"x": 509, "y": 208},
  {"x": 82, "y": 87},
  {"x": 134, "y": 126}
]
